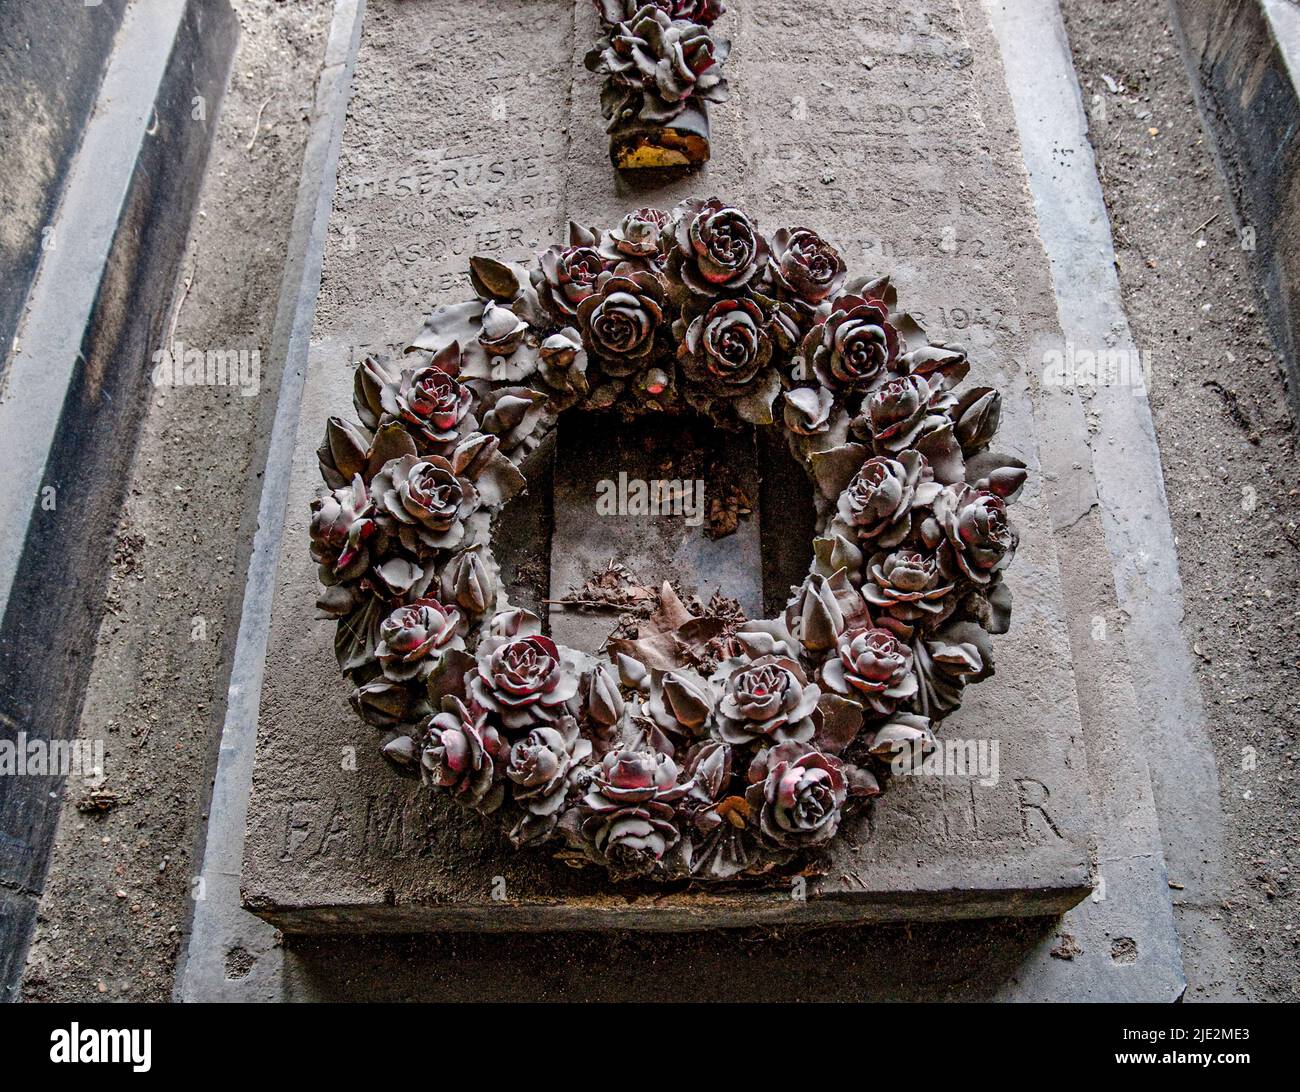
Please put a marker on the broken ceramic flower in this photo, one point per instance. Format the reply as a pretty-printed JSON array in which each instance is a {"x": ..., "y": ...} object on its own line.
[
  {"x": 664, "y": 762},
  {"x": 662, "y": 64}
]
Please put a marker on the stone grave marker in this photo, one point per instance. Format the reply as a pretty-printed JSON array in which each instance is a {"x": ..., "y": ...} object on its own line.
[{"x": 476, "y": 129}]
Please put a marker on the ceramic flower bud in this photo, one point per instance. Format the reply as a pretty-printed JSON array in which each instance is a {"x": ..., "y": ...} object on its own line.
[
  {"x": 468, "y": 582},
  {"x": 704, "y": 12},
  {"x": 769, "y": 700},
  {"x": 400, "y": 750},
  {"x": 873, "y": 667},
  {"x": 515, "y": 622},
  {"x": 877, "y": 504},
  {"x": 414, "y": 638},
  {"x": 344, "y": 454},
  {"x": 903, "y": 742},
  {"x": 632, "y": 673},
  {"x": 990, "y": 472},
  {"x": 800, "y": 798},
  {"x": 717, "y": 249},
  {"x": 503, "y": 331},
  {"x": 655, "y": 64},
  {"x": 805, "y": 266},
  {"x": 820, "y": 620},
  {"x": 807, "y": 410},
  {"x": 562, "y": 351},
  {"x": 862, "y": 783},
  {"x": 387, "y": 703},
  {"x": 979, "y": 538},
  {"x": 680, "y": 701},
  {"x": 945, "y": 665},
  {"x": 431, "y": 403},
  {"x": 341, "y": 527},
  {"x": 767, "y": 637},
  {"x": 462, "y": 754},
  {"x": 395, "y": 579},
  {"x": 540, "y": 769},
  {"x": 654, "y": 383},
  {"x": 338, "y": 600},
  {"x": 1007, "y": 481},
  {"x": 708, "y": 771},
  {"x": 638, "y": 235},
  {"x": 897, "y": 412},
  {"x": 513, "y": 415},
  {"x": 368, "y": 382},
  {"x": 833, "y": 553},
  {"x": 978, "y": 421},
  {"x": 628, "y": 776},
  {"x": 854, "y": 348},
  {"x": 563, "y": 361},
  {"x": 522, "y": 681},
  {"x": 604, "y": 700},
  {"x": 822, "y": 609}
]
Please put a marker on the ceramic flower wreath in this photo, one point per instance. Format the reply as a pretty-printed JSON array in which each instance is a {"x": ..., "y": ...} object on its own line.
[{"x": 665, "y": 760}]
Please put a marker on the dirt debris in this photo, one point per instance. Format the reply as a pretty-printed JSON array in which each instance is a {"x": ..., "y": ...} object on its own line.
[
  {"x": 1229, "y": 448},
  {"x": 1066, "y": 947}
]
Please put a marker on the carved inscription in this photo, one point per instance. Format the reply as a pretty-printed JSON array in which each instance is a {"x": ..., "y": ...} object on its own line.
[
  {"x": 935, "y": 812},
  {"x": 459, "y": 156},
  {"x": 381, "y": 825}
]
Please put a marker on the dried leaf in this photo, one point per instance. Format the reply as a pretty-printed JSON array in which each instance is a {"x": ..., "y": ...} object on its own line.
[
  {"x": 671, "y": 613},
  {"x": 841, "y": 722},
  {"x": 735, "y": 810},
  {"x": 493, "y": 279}
]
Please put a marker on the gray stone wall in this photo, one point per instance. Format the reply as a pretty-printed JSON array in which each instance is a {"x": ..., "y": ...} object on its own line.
[{"x": 52, "y": 58}]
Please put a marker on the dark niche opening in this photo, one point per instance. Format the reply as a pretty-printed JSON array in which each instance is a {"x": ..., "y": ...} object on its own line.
[{"x": 654, "y": 494}]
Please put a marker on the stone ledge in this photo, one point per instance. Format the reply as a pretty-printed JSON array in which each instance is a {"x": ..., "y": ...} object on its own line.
[{"x": 674, "y": 913}]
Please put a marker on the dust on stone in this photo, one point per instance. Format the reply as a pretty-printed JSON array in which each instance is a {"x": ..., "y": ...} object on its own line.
[{"x": 726, "y": 501}]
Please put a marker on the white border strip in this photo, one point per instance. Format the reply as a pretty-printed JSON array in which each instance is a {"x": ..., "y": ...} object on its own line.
[
  {"x": 220, "y": 923},
  {"x": 1134, "y": 510}
]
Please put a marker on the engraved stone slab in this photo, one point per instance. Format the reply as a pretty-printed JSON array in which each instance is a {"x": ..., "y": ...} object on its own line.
[{"x": 464, "y": 135}]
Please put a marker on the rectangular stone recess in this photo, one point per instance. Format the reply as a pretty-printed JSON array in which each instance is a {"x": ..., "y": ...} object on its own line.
[
  {"x": 636, "y": 493},
  {"x": 465, "y": 135}
]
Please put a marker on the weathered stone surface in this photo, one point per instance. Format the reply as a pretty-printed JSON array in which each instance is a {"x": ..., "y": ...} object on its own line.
[
  {"x": 76, "y": 386},
  {"x": 879, "y": 159},
  {"x": 1245, "y": 58}
]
